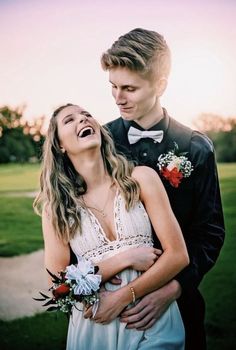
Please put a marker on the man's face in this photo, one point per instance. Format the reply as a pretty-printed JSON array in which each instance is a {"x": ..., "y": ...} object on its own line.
[{"x": 135, "y": 95}]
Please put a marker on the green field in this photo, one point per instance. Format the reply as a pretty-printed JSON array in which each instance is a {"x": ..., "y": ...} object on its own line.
[
  {"x": 20, "y": 228},
  {"x": 219, "y": 285},
  {"x": 41, "y": 332},
  {"x": 20, "y": 233},
  {"x": 19, "y": 178}
]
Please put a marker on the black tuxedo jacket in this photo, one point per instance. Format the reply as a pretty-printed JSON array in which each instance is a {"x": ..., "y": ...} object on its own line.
[{"x": 196, "y": 203}]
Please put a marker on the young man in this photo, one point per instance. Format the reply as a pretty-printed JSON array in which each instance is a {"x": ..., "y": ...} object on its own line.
[{"x": 138, "y": 64}]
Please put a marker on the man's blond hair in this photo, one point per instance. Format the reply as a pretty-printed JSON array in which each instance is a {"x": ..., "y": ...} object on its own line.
[{"x": 140, "y": 50}]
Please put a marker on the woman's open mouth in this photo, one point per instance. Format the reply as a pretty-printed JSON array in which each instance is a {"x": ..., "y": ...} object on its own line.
[{"x": 87, "y": 131}]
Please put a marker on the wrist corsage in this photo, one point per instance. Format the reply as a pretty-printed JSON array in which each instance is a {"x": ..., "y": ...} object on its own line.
[
  {"x": 77, "y": 283},
  {"x": 174, "y": 166}
]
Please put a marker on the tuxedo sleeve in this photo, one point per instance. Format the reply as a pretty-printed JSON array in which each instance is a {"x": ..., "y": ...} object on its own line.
[{"x": 205, "y": 233}]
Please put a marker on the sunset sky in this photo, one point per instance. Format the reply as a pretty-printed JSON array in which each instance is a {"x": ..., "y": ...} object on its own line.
[{"x": 50, "y": 53}]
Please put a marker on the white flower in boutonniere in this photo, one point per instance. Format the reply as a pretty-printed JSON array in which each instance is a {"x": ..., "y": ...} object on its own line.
[{"x": 174, "y": 166}]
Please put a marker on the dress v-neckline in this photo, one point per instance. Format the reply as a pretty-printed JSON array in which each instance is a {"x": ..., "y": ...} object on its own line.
[{"x": 101, "y": 229}]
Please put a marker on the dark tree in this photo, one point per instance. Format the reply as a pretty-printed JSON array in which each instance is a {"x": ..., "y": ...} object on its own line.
[
  {"x": 20, "y": 140},
  {"x": 222, "y": 131}
]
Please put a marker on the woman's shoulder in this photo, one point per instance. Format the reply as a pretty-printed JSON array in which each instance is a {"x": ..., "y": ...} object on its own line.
[{"x": 145, "y": 175}]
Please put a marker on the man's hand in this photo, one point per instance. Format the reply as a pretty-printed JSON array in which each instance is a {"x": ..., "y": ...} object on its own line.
[{"x": 151, "y": 307}]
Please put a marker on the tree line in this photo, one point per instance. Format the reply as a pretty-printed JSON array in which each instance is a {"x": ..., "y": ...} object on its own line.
[
  {"x": 21, "y": 140},
  {"x": 222, "y": 131}
]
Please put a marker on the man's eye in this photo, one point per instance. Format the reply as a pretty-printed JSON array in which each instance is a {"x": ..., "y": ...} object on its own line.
[
  {"x": 130, "y": 89},
  {"x": 113, "y": 87}
]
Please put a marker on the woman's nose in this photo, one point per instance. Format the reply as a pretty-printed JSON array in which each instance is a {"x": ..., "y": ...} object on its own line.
[{"x": 82, "y": 118}]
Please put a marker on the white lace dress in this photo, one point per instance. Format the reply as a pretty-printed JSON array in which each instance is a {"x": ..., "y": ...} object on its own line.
[{"x": 132, "y": 229}]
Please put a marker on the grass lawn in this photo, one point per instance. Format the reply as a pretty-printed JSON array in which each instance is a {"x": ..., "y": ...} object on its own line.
[
  {"x": 44, "y": 332},
  {"x": 16, "y": 177},
  {"x": 219, "y": 286},
  {"x": 20, "y": 228},
  {"x": 41, "y": 332}
]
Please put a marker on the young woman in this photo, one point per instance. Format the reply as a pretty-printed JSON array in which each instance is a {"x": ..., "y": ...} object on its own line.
[{"x": 102, "y": 207}]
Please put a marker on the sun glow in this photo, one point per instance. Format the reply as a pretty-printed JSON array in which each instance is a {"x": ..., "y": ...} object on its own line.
[
  {"x": 202, "y": 80},
  {"x": 44, "y": 64}
]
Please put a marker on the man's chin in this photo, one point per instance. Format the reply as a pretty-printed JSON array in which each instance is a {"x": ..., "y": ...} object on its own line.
[{"x": 127, "y": 117}]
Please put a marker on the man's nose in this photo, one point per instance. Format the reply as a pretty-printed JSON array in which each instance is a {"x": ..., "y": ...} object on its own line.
[{"x": 120, "y": 97}]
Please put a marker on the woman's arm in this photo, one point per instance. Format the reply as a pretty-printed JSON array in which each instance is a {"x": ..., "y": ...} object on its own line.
[
  {"x": 57, "y": 255},
  {"x": 138, "y": 258},
  {"x": 173, "y": 259},
  {"x": 175, "y": 256}
]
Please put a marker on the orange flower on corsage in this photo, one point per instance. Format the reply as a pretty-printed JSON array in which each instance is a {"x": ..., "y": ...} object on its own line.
[{"x": 174, "y": 167}]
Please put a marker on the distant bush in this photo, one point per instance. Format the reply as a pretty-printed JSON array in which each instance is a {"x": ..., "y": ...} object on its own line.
[
  {"x": 222, "y": 131},
  {"x": 20, "y": 141}
]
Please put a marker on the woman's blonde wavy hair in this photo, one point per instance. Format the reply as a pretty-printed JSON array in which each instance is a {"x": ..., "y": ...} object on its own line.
[{"x": 61, "y": 186}]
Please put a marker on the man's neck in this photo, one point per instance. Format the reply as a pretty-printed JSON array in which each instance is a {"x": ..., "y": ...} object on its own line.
[{"x": 151, "y": 119}]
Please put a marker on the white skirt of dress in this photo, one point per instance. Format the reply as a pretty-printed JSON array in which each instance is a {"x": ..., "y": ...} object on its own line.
[{"x": 166, "y": 334}]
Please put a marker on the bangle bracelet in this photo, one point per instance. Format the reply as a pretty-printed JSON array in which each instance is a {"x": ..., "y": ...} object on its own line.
[{"x": 133, "y": 294}]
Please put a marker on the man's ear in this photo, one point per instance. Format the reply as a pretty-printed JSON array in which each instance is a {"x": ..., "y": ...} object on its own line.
[{"x": 161, "y": 86}]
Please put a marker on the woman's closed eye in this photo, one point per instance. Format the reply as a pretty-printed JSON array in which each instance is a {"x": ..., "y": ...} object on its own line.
[
  {"x": 68, "y": 120},
  {"x": 87, "y": 114}
]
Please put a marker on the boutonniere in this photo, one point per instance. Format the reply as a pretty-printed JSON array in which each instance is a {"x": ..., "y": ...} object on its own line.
[{"x": 174, "y": 166}]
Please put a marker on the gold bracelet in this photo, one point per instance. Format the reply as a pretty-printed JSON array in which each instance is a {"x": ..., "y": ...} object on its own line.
[{"x": 133, "y": 294}]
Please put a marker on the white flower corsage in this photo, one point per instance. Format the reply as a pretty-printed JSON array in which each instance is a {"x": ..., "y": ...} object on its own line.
[{"x": 77, "y": 283}]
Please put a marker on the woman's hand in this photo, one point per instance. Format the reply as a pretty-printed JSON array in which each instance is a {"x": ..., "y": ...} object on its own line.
[
  {"x": 111, "y": 304},
  {"x": 142, "y": 258}
]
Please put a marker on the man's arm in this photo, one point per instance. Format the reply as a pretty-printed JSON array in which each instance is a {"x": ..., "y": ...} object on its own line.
[
  {"x": 151, "y": 307},
  {"x": 205, "y": 235},
  {"x": 204, "y": 238}
]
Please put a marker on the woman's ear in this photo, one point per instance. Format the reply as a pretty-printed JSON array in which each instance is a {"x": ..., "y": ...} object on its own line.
[
  {"x": 161, "y": 86},
  {"x": 62, "y": 149}
]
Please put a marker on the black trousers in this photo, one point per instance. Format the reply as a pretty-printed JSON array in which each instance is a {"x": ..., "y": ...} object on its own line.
[{"x": 192, "y": 308}]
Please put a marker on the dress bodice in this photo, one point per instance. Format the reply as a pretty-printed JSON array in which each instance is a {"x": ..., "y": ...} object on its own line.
[{"x": 132, "y": 228}]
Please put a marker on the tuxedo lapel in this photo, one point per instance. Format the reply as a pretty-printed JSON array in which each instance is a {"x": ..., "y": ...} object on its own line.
[
  {"x": 180, "y": 134},
  {"x": 120, "y": 136}
]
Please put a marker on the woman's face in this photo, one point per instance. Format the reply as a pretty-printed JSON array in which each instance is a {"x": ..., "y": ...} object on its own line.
[{"x": 78, "y": 131}]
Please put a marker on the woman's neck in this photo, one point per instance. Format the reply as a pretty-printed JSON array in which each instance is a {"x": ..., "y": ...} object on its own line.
[{"x": 93, "y": 171}]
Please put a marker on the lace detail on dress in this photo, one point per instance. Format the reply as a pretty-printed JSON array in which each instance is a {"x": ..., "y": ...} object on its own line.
[
  {"x": 115, "y": 246},
  {"x": 132, "y": 229}
]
